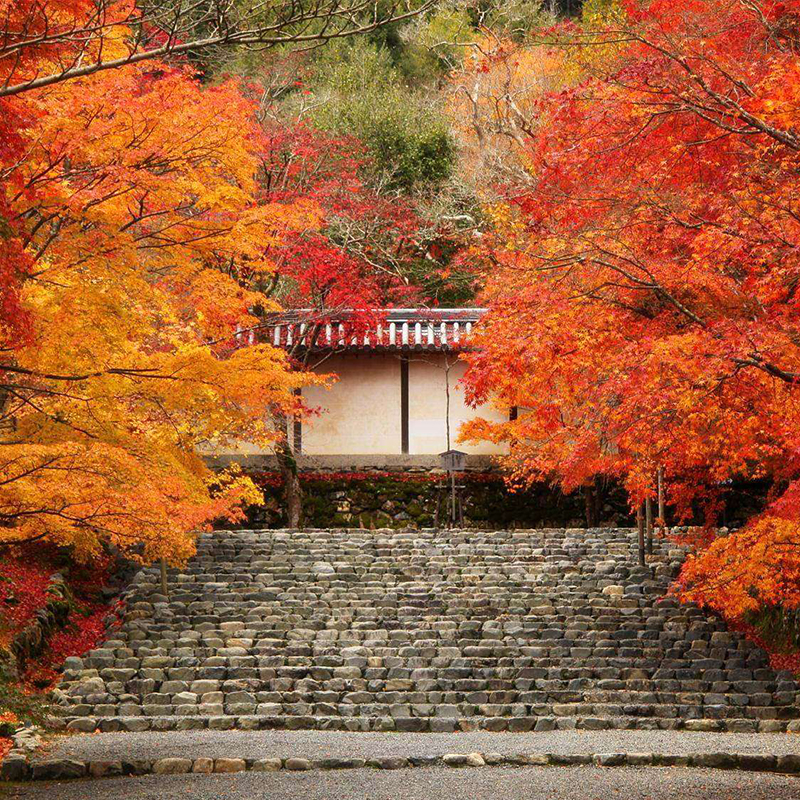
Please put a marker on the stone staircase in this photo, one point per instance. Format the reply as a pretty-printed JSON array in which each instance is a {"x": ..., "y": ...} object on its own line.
[{"x": 421, "y": 631}]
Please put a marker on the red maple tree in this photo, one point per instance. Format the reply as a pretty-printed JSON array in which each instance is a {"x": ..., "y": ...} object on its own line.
[{"x": 644, "y": 288}]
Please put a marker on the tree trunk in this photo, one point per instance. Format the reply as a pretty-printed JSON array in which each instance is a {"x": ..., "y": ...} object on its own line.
[
  {"x": 163, "y": 571},
  {"x": 593, "y": 499},
  {"x": 662, "y": 512},
  {"x": 7, "y": 425},
  {"x": 649, "y": 524},
  {"x": 292, "y": 491},
  {"x": 640, "y": 527}
]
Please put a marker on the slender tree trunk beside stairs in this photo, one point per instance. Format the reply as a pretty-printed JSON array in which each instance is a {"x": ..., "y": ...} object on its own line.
[
  {"x": 640, "y": 529},
  {"x": 292, "y": 490},
  {"x": 593, "y": 500}
]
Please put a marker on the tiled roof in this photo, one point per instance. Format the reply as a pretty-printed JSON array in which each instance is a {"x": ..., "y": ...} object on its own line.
[{"x": 394, "y": 329}]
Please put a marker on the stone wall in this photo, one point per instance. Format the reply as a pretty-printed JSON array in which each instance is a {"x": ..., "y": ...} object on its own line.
[
  {"x": 414, "y": 495},
  {"x": 421, "y": 500}
]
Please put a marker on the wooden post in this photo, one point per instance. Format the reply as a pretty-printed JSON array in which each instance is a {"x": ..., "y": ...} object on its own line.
[
  {"x": 164, "y": 590},
  {"x": 453, "y": 511},
  {"x": 648, "y": 506},
  {"x": 640, "y": 527},
  {"x": 404, "y": 414},
  {"x": 662, "y": 512}
]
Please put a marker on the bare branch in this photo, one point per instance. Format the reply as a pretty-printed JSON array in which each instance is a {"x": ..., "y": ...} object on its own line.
[{"x": 200, "y": 26}]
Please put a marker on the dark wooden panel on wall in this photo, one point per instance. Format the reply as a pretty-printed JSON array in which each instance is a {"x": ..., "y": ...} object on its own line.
[
  {"x": 297, "y": 430},
  {"x": 298, "y": 436},
  {"x": 404, "y": 404}
]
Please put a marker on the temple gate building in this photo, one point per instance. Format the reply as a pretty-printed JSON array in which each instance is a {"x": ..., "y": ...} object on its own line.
[{"x": 398, "y": 400}]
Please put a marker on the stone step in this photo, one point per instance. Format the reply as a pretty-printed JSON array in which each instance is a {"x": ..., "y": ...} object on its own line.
[
  {"x": 420, "y": 724},
  {"x": 421, "y": 709}
]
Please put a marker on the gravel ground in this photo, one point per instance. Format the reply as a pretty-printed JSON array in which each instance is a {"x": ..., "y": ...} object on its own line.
[
  {"x": 337, "y": 744},
  {"x": 568, "y": 783}
]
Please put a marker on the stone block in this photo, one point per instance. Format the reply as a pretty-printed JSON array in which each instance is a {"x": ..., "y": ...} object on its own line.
[
  {"x": 104, "y": 769},
  {"x": 267, "y": 765},
  {"x": 229, "y": 765},
  {"x": 203, "y": 766},
  {"x": 789, "y": 763},
  {"x": 83, "y": 725},
  {"x": 464, "y": 760},
  {"x": 639, "y": 759},
  {"x": 136, "y": 767},
  {"x": 609, "y": 759},
  {"x": 14, "y": 767},
  {"x": 297, "y": 764},
  {"x": 715, "y": 760},
  {"x": 172, "y": 766},
  {"x": 340, "y": 763},
  {"x": 757, "y": 762},
  {"x": 388, "y": 763},
  {"x": 58, "y": 769}
]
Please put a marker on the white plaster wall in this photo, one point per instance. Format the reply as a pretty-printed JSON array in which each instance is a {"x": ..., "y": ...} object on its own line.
[
  {"x": 427, "y": 428},
  {"x": 360, "y": 413}
]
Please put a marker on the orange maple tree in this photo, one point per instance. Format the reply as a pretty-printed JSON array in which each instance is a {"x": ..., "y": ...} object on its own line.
[
  {"x": 643, "y": 291},
  {"x": 129, "y": 204}
]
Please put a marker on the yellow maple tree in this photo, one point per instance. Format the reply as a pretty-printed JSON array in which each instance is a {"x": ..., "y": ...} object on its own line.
[{"x": 133, "y": 241}]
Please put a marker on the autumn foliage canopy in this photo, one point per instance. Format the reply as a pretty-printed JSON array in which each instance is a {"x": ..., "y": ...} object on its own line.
[
  {"x": 644, "y": 276},
  {"x": 134, "y": 242}
]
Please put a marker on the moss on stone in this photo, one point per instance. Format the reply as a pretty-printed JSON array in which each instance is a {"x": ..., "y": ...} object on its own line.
[
  {"x": 414, "y": 509},
  {"x": 403, "y": 501}
]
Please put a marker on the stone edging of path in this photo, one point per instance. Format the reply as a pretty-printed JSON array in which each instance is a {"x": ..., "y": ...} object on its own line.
[{"x": 19, "y": 768}]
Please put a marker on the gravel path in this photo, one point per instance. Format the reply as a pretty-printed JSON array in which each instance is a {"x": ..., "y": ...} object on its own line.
[
  {"x": 337, "y": 744},
  {"x": 567, "y": 783}
]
